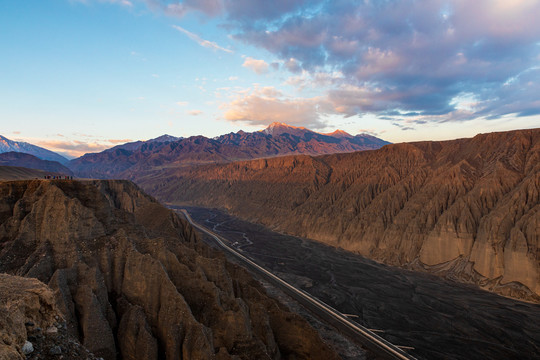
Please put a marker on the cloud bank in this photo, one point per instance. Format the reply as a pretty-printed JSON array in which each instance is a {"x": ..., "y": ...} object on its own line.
[
  {"x": 415, "y": 57},
  {"x": 76, "y": 148},
  {"x": 398, "y": 59}
]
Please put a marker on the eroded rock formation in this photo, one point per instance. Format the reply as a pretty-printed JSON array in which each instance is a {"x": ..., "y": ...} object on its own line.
[
  {"x": 468, "y": 209},
  {"x": 31, "y": 325},
  {"x": 133, "y": 280}
]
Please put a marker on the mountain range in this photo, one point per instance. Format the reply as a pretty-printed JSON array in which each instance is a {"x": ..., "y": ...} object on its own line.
[
  {"x": 466, "y": 209},
  {"x": 278, "y": 139},
  {"x": 135, "y": 145},
  {"x": 166, "y": 151},
  {"x": 25, "y": 160},
  {"x": 7, "y": 145}
]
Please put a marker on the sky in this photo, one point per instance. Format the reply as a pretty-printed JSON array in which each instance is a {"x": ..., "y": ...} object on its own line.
[{"x": 80, "y": 76}]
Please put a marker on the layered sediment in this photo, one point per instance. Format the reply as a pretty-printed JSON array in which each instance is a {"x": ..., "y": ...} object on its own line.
[
  {"x": 468, "y": 209},
  {"x": 132, "y": 280}
]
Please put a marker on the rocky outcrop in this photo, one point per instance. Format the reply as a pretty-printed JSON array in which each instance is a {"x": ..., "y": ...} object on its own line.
[
  {"x": 468, "y": 209},
  {"x": 133, "y": 280},
  {"x": 22, "y": 301},
  {"x": 31, "y": 324}
]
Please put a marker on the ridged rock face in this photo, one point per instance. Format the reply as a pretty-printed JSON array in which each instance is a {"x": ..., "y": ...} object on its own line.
[
  {"x": 133, "y": 280},
  {"x": 467, "y": 209}
]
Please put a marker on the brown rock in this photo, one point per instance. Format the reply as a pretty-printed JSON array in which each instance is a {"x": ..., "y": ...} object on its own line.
[
  {"x": 111, "y": 252},
  {"x": 96, "y": 334},
  {"x": 135, "y": 336},
  {"x": 22, "y": 301}
]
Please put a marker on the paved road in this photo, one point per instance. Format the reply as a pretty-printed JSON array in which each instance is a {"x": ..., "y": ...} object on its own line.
[{"x": 357, "y": 332}]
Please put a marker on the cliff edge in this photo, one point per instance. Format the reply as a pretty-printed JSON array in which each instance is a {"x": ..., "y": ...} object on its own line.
[{"x": 132, "y": 280}]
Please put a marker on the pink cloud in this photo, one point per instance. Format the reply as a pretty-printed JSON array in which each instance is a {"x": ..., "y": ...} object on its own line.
[
  {"x": 263, "y": 106},
  {"x": 258, "y": 66},
  {"x": 76, "y": 148}
]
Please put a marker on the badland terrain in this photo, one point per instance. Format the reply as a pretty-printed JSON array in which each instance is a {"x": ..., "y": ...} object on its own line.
[
  {"x": 108, "y": 271},
  {"x": 467, "y": 209}
]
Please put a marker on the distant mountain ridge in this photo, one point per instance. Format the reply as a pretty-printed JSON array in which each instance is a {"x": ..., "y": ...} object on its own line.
[
  {"x": 131, "y": 146},
  {"x": 28, "y": 161},
  {"x": 7, "y": 145},
  {"x": 10, "y": 173},
  {"x": 278, "y": 139},
  {"x": 277, "y": 128}
]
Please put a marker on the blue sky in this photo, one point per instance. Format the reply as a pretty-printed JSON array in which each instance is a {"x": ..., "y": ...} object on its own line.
[{"x": 82, "y": 75}]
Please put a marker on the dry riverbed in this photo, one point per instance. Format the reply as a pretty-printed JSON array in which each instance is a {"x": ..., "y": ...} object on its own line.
[{"x": 439, "y": 318}]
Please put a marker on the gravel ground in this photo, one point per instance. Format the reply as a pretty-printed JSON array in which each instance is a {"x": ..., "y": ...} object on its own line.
[{"x": 440, "y": 319}]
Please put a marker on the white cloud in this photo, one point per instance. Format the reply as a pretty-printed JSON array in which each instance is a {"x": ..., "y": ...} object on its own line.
[
  {"x": 121, "y": 2},
  {"x": 201, "y": 41}
]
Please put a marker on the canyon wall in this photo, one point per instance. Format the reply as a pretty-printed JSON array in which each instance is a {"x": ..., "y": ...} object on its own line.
[
  {"x": 133, "y": 281},
  {"x": 468, "y": 209}
]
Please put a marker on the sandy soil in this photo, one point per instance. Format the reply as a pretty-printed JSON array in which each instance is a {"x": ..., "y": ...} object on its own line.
[{"x": 439, "y": 318}]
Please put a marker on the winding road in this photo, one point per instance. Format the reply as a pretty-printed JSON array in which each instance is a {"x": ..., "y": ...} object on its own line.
[{"x": 356, "y": 332}]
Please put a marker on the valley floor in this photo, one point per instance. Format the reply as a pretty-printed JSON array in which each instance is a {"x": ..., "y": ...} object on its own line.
[{"x": 439, "y": 318}]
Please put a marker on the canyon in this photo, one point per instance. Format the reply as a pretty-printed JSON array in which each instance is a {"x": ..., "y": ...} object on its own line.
[
  {"x": 125, "y": 277},
  {"x": 465, "y": 209},
  {"x": 435, "y": 318}
]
